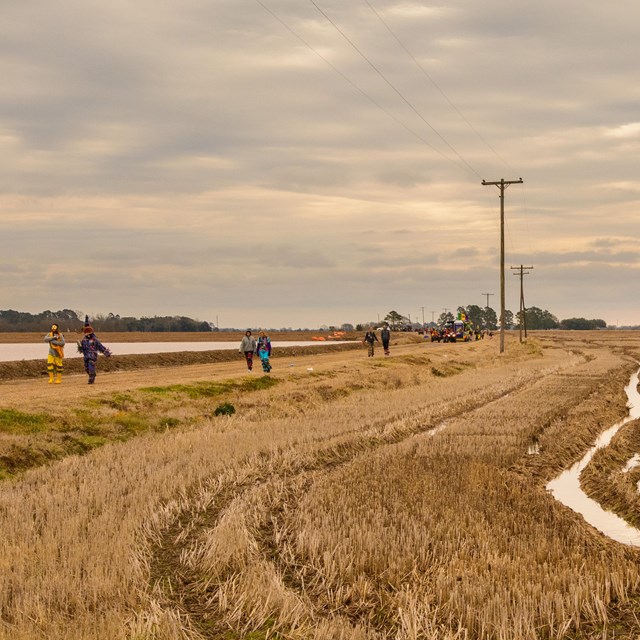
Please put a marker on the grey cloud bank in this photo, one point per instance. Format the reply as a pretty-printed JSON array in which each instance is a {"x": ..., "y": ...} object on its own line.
[{"x": 199, "y": 159}]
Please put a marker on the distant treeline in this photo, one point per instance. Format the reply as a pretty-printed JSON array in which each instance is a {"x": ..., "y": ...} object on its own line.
[
  {"x": 68, "y": 320},
  {"x": 536, "y": 318},
  {"x": 487, "y": 318},
  {"x": 582, "y": 324}
]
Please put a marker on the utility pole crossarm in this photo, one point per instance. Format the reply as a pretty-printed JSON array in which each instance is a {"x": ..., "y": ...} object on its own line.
[
  {"x": 487, "y": 294},
  {"x": 501, "y": 183}
]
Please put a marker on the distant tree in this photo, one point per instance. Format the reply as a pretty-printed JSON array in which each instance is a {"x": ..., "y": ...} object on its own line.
[
  {"x": 445, "y": 317},
  {"x": 11, "y": 320},
  {"x": 346, "y": 326},
  {"x": 395, "y": 320},
  {"x": 539, "y": 319},
  {"x": 508, "y": 319},
  {"x": 490, "y": 318},
  {"x": 582, "y": 324},
  {"x": 475, "y": 315}
]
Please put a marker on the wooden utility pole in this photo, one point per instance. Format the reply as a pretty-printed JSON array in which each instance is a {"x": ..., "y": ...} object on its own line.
[
  {"x": 523, "y": 310},
  {"x": 502, "y": 185},
  {"x": 486, "y": 324},
  {"x": 487, "y": 294}
]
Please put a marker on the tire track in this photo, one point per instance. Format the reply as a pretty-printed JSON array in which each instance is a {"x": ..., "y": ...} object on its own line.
[{"x": 181, "y": 586}]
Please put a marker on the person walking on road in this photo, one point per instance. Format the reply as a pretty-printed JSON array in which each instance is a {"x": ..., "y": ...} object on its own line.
[
  {"x": 264, "y": 351},
  {"x": 56, "y": 353},
  {"x": 89, "y": 347},
  {"x": 248, "y": 348},
  {"x": 385, "y": 335},
  {"x": 369, "y": 339}
]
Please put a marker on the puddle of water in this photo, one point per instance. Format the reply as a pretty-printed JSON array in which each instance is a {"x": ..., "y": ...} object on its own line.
[
  {"x": 566, "y": 487},
  {"x": 632, "y": 464}
]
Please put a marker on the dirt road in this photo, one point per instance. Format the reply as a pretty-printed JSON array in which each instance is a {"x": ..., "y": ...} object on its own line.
[{"x": 38, "y": 395}]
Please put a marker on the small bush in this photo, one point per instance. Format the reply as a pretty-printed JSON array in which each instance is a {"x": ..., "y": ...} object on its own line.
[{"x": 224, "y": 409}]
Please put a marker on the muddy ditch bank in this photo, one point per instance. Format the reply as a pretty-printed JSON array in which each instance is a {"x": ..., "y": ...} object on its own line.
[
  {"x": 38, "y": 368},
  {"x": 170, "y": 336}
]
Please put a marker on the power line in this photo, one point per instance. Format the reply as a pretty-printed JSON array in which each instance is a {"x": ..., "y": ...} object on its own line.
[
  {"x": 453, "y": 106},
  {"x": 436, "y": 85},
  {"x": 353, "y": 84},
  {"x": 395, "y": 89}
]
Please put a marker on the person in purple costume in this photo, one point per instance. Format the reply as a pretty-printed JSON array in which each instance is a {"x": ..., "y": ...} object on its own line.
[{"x": 89, "y": 347}]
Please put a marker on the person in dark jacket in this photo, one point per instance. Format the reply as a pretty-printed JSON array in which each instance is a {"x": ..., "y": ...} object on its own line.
[
  {"x": 385, "y": 335},
  {"x": 370, "y": 338},
  {"x": 89, "y": 347}
]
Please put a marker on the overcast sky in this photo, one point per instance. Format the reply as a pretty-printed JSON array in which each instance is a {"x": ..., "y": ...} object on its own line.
[{"x": 320, "y": 162}]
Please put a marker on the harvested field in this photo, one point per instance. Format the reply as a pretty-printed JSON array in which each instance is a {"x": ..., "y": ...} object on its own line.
[{"x": 385, "y": 498}]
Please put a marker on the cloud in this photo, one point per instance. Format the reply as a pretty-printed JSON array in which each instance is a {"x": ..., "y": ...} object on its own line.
[
  {"x": 179, "y": 155},
  {"x": 630, "y": 130}
]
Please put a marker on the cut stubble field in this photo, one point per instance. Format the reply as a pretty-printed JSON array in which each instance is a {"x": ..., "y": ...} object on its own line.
[{"x": 346, "y": 498}]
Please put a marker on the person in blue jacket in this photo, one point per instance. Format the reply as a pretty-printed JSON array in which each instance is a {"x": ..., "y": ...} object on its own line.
[
  {"x": 89, "y": 347},
  {"x": 264, "y": 351}
]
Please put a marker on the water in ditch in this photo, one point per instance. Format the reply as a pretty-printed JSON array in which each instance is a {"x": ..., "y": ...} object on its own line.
[{"x": 566, "y": 487}]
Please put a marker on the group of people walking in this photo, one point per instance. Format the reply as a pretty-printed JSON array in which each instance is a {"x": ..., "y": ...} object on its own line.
[
  {"x": 89, "y": 347},
  {"x": 261, "y": 347},
  {"x": 370, "y": 338}
]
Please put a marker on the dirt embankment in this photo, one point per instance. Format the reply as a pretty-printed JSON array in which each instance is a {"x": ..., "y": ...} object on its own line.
[
  {"x": 37, "y": 368},
  {"x": 168, "y": 336}
]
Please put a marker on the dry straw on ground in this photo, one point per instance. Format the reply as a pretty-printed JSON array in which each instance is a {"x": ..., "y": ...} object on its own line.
[{"x": 384, "y": 499}]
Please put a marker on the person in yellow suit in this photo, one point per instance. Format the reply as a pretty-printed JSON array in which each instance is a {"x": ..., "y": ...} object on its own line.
[{"x": 56, "y": 353}]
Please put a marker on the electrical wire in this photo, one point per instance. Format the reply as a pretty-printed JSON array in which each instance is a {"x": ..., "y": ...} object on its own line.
[
  {"x": 388, "y": 82},
  {"x": 526, "y": 219},
  {"x": 395, "y": 89},
  {"x": 354, "y": 85},
  {"x": 436, "y": 85},
  {"x": 458, "y": 111}
]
